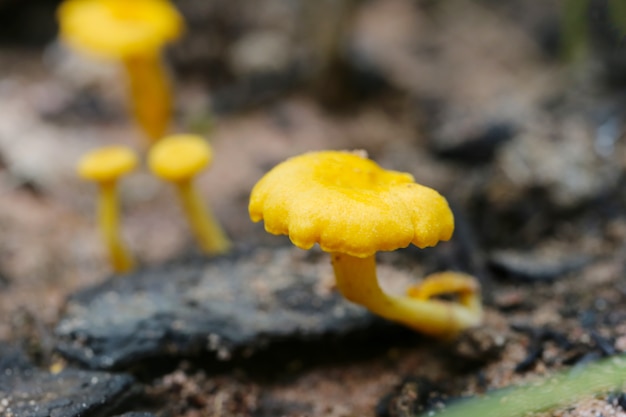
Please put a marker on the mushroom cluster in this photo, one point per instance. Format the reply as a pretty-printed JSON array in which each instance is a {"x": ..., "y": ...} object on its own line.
[
  {"x": 353, "y": 208},
  {"x": 177, "y": 159},
  {"x": 134, "y": 32}
]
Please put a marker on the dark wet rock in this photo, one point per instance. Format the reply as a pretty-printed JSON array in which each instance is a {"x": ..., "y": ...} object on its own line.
[
  {"x": 232, "y": 306},
  {"x": 28, "y": 391},
  {"x": 531, "y": 267},
  {"x": 477, "y": 145},
  {"x": 136, "y": 414},
  {"x": 13, "y": 360}
]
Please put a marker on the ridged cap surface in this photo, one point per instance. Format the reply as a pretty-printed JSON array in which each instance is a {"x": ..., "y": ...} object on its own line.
[{"x": 347, "y": 203}]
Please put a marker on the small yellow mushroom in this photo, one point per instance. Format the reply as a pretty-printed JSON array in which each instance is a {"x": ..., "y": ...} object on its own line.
[
  {"x": 133, "y": 32},
  {"x": 178, "y": 159},
  {"x": 105, "y": 166},
  {"x": 353, "y": 208}
]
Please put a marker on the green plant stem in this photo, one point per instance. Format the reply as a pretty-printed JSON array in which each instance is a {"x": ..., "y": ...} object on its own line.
[{"x": 559, "y": 390}]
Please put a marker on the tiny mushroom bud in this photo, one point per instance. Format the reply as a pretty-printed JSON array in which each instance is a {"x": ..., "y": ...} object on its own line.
[
  {"x": 133, "y": 32},
  {"x": 105, "y": 166},
  {"x": 353, "y": 208},
  {"x": 178, "y": 159}
]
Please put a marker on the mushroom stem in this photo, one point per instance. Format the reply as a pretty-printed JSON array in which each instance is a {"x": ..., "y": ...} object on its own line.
[
  {"x": 448, "y": 282},
  {"x": 204, "y": 225},
  {"x": 108, "y": 221},
  {"x": 357, "y": 281},
  {"x": 150, "y": 93}
]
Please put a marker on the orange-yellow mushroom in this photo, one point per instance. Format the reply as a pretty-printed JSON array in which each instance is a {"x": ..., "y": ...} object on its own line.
[
  {"x": 133, "y": 32},
  {"x": 105, "y": 166},
  {"x": 353, "y": 208},
  {"x": 178, "y": 159}
]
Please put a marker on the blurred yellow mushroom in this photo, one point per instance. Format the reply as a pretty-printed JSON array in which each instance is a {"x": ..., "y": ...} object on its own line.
[
  {"x": 178, "y": 159},
  {"x": 105, "y": 166},
  {"x": 133, "y": 32},
  {"x": 353, "y": 208}
]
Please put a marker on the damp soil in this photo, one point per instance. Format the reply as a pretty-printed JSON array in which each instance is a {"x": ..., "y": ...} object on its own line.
[{"x": 470, "y": 97}]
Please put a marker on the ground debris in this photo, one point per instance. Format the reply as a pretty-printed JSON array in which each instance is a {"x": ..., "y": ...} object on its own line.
[
  {"x": 193, "y": 394},
  {"x": 413, "y": 396}
]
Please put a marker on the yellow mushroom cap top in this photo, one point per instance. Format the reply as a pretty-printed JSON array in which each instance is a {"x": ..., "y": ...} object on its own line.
[
  {"x": 179, "y": 157},
  {"x": 107, "y": 164},
  {"x": 348, "y": 204},
  {"x": 119, "y": 28}
]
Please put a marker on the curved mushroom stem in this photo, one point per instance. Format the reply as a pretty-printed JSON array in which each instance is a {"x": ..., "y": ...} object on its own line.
[
  {"x": 150, "y": 93},
  {"x": 108, "y": 221},
  {"x": 449, "y": 282},
  {"x": 357, "y": 281},
  {"x": 205, "y": 227}
]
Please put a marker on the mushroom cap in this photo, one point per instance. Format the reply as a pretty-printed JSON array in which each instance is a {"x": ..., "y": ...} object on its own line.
[
  {"x": 179, "y": 157},
  {"x": 348, "y": 204},
  {"x": 107, "y": 164},
  {"x": 119, "y": 28}
]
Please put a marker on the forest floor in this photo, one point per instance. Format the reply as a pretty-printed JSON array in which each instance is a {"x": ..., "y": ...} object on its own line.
[{"x": 541, "y": 217}]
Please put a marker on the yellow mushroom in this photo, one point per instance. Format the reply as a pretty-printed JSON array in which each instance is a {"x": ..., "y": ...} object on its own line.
[
  {"x": 353, "y": 208},
  {"x": 178, "y": 159},
  {"x": 105, "y": 166},
  {"x": 133, "y": 32}
]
